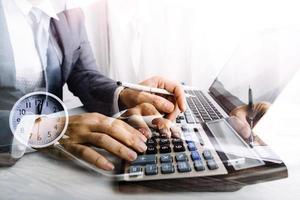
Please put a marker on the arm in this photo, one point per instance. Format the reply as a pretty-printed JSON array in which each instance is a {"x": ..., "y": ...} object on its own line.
[{"x": 95, "y": 90}]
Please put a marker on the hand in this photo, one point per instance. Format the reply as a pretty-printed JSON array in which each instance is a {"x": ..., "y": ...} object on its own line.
[
  {"x": 145, "y": 115},
  {"x": 171, "y": 106},
  {"x": 239, "y": 117},
  {"x": 108, "y": 133}
]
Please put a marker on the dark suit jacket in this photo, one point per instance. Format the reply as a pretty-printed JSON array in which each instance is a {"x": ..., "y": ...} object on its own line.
[{"x": 78, "y": 70}]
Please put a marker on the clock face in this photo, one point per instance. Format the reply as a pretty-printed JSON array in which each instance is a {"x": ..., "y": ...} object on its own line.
[{"x": 39, "y": 119}]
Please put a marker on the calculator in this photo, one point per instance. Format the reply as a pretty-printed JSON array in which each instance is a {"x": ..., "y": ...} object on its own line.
[{"x": 191, "y": 155}]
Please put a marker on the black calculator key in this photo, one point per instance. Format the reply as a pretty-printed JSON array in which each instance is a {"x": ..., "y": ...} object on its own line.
[
  {"x": 212, "y": 164},
  {"x": 166, "y": 158},
  {"x": 192, "y": 146},
  {"x": 165, "y": 149},
  {"x": 180, "y": 157},
  {"x": 167, "y": 168},
  {"x": 195, "y": 155},
  {"x": 199, "y": 166},
  {"x": 151, "y": 150},
  {"x": 179, "y": 148},
  {"x": 145, "y": 159},
  {"x": 151, "y": 169},
  {"x": 164, "y": 141},
  {"x": 135, "y": 170},
  {"x": 151, "y": 142},
  {"x": 177, "y": 141},
  {"x": 207, "y": 155},
  {"x": 183, "y": 167},
  {"x": 184, "y": 128}
]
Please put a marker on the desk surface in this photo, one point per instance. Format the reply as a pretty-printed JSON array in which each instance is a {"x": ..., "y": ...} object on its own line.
[{"x": 37, "y": 176}]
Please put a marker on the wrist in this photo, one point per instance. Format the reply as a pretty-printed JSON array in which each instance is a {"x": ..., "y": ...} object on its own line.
[{"x": 122, "y": 99}]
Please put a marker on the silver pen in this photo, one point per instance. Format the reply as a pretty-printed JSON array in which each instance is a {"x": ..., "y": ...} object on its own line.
[
  {"x": 251, "y": 115},
  {"x": 147, "y": 89}
]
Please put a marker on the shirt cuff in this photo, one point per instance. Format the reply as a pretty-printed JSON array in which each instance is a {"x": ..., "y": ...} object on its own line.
[{"x": 115, "y": 108}]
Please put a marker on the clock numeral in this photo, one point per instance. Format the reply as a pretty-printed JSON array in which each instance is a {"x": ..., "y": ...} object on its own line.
[
  {"x": 49, "y": 134},
  {"x": 39, "y": 138},
  {"x": 38, "y": 102},
  {"x": 56, "y": 127},
  {"x": 30, "y": 135},
  {"x": 22, "y": 112},
  {"x": 18, "y": 120},
  {"x": 28, "y": 104},
  {"x": 54, "y": 109}
]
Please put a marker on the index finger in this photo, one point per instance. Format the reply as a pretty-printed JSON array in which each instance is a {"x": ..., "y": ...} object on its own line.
[{"x": 175, "y": 88}]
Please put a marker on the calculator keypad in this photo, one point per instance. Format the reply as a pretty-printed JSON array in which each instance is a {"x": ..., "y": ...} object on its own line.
[{"x": 189, "y": 156}]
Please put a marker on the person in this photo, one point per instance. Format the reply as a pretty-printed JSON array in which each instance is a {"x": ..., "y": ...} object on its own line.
[{"x": 44, "y": 46}]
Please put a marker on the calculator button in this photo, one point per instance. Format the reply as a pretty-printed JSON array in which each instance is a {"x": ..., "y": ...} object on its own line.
[
  {"x": 145, "y": 159},
  {"x": 151, "y": 142},
  {"x": 179, "y": 148},
  {"x": 177, "y": 141},
  {"x": 165, "y": 149},
  {"x": 212, "y": 164},
  {"x": 167, "y": 158},
  {"x": 207, "y": 155},
  {"x": 180, "y": 157},
  {"x": 167, "y": 168},
  {"x": 198, "y": 164},
  {"x": 151, "y": 169},
  {"x": 135, "y": 170},
  {"x": 164, "y": 142},
  {"x": 192, "y": 146},
  {"x": 195, "y": 155},
  {"x": 151, "y": 150},
  {"x": 183, "y": 167}
]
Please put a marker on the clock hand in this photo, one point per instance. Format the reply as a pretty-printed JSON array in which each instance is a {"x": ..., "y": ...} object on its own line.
[{"x": 40, "y": 108}]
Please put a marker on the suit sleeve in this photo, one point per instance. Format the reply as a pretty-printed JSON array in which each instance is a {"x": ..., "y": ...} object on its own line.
[{"x": 95, "y": 90}]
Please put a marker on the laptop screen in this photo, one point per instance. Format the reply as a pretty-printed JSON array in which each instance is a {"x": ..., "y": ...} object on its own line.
[{"x": 265, "y": 63}]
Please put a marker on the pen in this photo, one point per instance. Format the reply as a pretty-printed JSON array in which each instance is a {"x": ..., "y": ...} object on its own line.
[
  {"x": 147, "y": 89},
  {"x": 250, "y": 115}
]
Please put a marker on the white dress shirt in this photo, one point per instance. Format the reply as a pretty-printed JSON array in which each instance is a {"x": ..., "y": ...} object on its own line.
[{"x": 28, "y": 25}]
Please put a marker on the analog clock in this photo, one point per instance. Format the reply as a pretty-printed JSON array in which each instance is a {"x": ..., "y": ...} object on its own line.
[{"x": 39, "y": 119}]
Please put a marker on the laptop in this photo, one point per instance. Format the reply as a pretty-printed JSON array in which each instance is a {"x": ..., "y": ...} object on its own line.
[{"x": 211, "y": 146}]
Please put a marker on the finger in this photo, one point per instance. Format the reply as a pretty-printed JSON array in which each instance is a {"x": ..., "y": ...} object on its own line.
[
  {"x": 160, "y": 103},
  {"x": 172, "y": 116},
  {"x": 173, "y": 87},
  {"x": 180, "y": 97},
  {"x": 163, "y": 126},
  {"x": 138, "y": 123},
  {"x": 133, "y": 118},
  {"x": 240, "y": 126},
  {"x": 89, "y": 155},
  {"x": 108, "y": 143},
  {"x": 122, "y": 132},
  {"x": 176, "y": 131}
]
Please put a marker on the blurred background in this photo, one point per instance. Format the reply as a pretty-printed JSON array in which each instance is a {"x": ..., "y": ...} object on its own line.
[{"x": 185, "y": 40}]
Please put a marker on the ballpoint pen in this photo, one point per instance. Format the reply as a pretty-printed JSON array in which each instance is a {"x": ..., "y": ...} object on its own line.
[
  {"x": 147, "y": 89},
  {"x": 250, "y": 115}
]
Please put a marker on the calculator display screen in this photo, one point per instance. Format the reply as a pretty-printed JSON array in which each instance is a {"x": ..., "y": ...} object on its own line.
[{"x": 238, "y": 152}]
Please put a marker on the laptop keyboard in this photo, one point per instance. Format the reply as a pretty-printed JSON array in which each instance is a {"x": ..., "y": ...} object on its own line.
[
  {"x": 201, "y": 109},
  {"x": 190, "y": 156}
]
